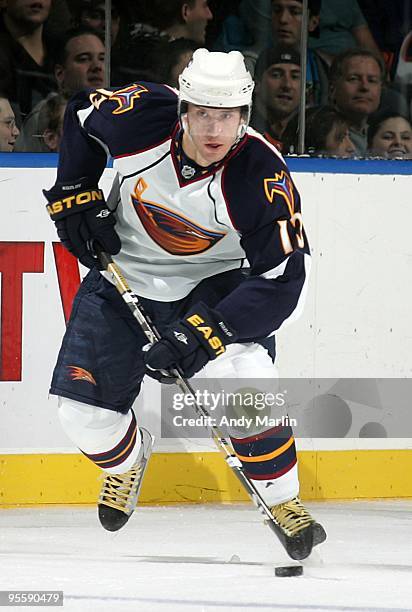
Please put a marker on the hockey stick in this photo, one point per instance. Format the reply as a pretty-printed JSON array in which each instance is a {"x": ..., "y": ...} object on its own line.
[{"x": 224, "y": 446}]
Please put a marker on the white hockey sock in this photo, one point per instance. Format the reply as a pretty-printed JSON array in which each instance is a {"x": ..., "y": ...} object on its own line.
[
  {"x": 280, "y": 490},
  {"x": 110, "y": 439}
]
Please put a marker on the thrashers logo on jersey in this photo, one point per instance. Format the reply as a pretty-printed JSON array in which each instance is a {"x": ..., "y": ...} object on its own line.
[
  {"x": 280, "y": 184},
  {"x": 174, "y": 233},
  {"x": 77, "y": 373},
  {"x": 125, "y": 97}
]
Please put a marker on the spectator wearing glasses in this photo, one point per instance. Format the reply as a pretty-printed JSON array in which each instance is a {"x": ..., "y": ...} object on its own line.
[{"x": 8, "y": 128}]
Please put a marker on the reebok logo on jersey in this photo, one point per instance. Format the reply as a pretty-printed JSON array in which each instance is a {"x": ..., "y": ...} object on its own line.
[
  {"x": 105, "y": 212},
  {"x": 77, "y": 373},
  {"x": 180, "y": 337},
  {"x": 225, "y": 329}
]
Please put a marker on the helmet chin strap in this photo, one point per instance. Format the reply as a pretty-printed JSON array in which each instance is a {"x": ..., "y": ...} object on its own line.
[{"x": 185, "y": 125}]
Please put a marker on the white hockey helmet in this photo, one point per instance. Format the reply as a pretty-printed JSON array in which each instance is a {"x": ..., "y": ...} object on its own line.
[{"x": 218, "y": 80}]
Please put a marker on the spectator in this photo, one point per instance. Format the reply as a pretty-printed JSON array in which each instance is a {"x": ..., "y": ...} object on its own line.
[
  {"x": 390, "y": 136},
  {"x": 403, "y": 75},
  {"x": 60, "y": 18},
  {"x": 287, "y": 20},
  {"x": 277, "y": 92},
  {"x": 80, "y": 61},
  {"x": 177, "y": 55},
  {"x": 356, "y": 78},
  {"x": 25, "y": 53},
  {"x": 326, "y": 133},
  {"x": 79, "y": 65},
  {"x": 51, "y": 118},
  {"x": 8, "y": 128},
  {"x": 342, "y": 26},
  {"x": 389, "y": 23},
  {"x": 162, "y": 22},
  {"x": 91, "y": 13},
  {"x": 403, "y": 71},
  {"x": 180, "y": 18},
  {"x": 286, "y": 29},
  {"x": 229, "y": 31},
  {"x": 226, "y": 26},
  {"x": 257, "y": 15}
]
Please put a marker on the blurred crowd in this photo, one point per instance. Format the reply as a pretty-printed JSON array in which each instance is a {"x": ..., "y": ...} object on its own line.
[{"x": 358, "y": 88}]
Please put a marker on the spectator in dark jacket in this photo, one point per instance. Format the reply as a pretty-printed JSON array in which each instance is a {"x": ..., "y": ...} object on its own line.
[
  {"x": 25, "y": 53},
  {"x": 79, "y": 65},
  {"x": 162, "y": 22}
]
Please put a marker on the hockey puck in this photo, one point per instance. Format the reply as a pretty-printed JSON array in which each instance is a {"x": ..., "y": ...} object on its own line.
[{"x": 289, "y": 570}]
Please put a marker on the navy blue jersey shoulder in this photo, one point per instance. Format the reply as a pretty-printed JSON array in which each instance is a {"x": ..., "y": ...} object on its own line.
[
  {"x": 258, "y": 187},
  {"x": 114, "y": 122},
  {"x": 263, "y": 204},
  {"x": 133, "y": 118}
]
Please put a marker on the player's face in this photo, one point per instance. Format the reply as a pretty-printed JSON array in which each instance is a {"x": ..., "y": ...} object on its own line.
[
  {"x": 84, "y": 65},
  {"x": 393, "y": 139},
  {"x": 287, "y": 21},
  {"x": 338, "y": 141},
  {"x": 279, "y": 89},
  {"x": 209, "y": 132},
  {"x": 28, "y": 11},
  {"x": 196, "y": 18},
  {"x": 358, "y": 91},
  {"x": 8, "y": 129}
]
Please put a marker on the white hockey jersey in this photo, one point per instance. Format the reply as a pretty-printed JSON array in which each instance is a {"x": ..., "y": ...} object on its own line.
[{"x": 180, "y": 223}]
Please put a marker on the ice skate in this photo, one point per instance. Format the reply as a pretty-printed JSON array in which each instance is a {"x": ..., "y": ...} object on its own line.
[
  {"x": 301, "y": 531},
  {"x": 120, "y": 492}
]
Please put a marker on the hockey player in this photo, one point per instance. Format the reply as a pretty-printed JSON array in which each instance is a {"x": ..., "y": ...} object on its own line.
[{"x": 197, "y": 193}]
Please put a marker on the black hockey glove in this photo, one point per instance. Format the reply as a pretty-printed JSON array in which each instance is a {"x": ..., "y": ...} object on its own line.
[
  {"x": 189, "y": 343},
  {"x": 81, "y": 216}
]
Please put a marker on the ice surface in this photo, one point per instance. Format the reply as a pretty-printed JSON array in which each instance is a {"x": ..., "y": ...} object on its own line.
[{"x": 177, "y": 558}]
